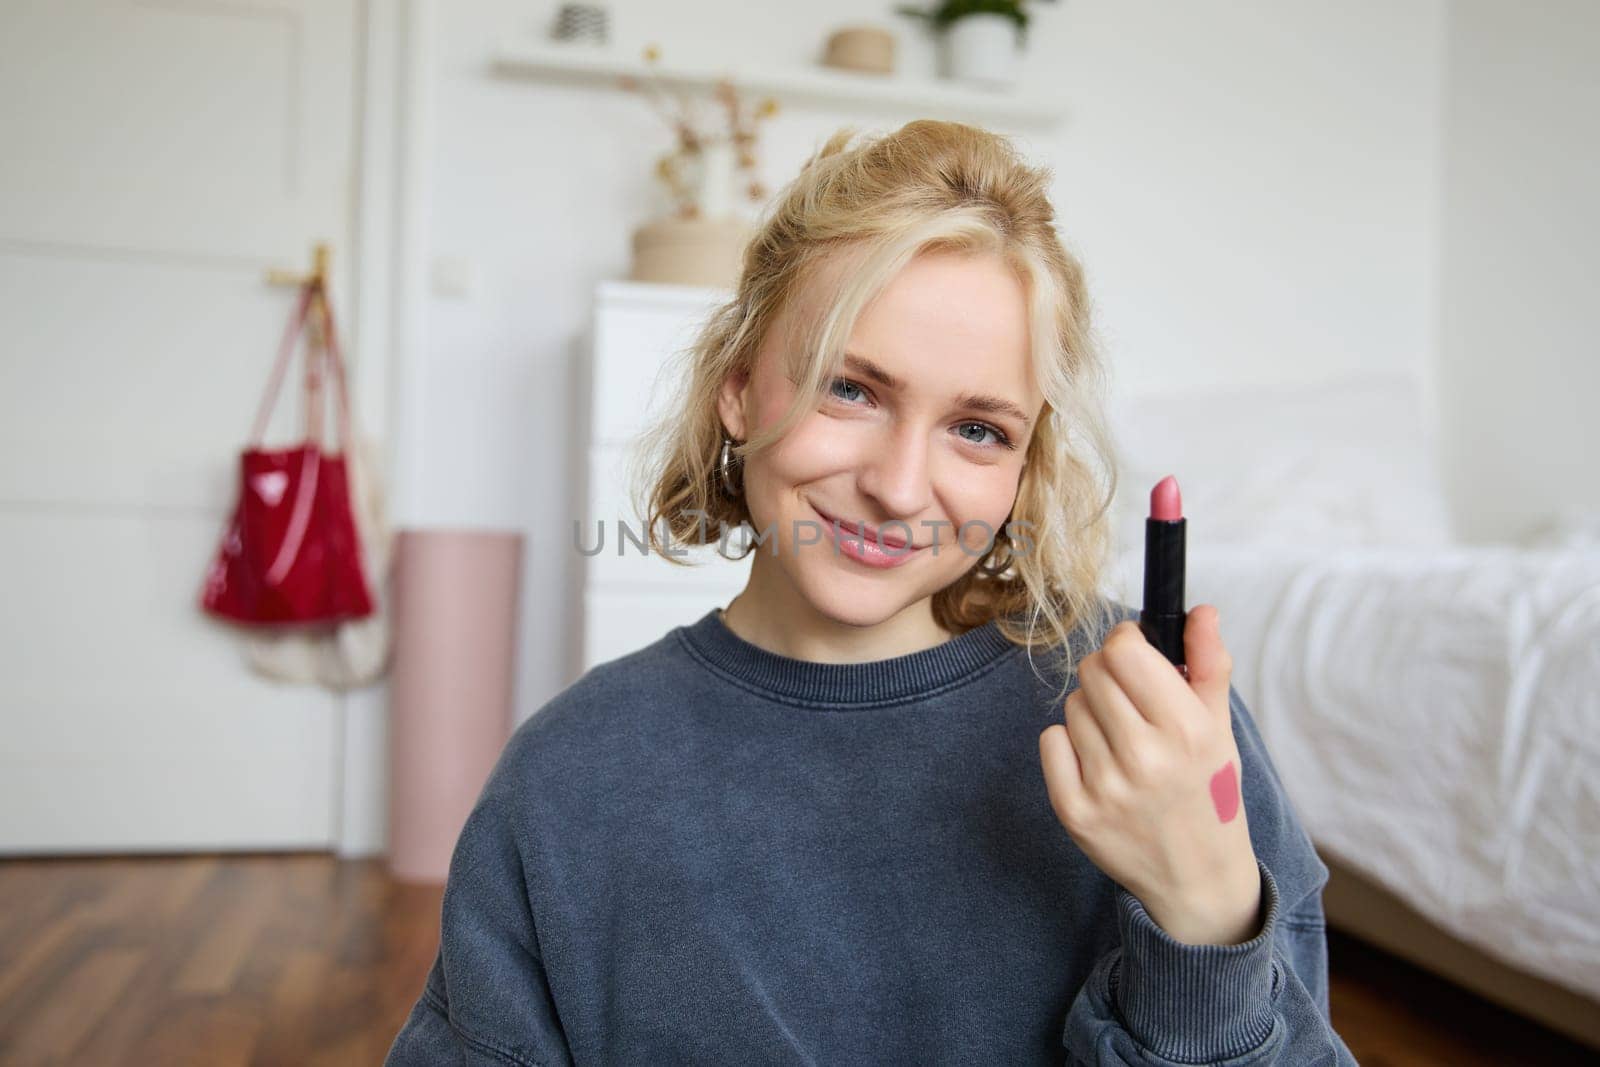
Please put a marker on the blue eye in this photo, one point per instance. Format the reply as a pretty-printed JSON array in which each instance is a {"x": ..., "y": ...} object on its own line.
[
  {"x": 846, "y": 382},
  {"x": 1000, "y": 440}
]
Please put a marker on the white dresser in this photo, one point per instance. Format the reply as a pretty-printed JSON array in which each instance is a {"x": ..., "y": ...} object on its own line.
[{"x": 631, "y": 599}]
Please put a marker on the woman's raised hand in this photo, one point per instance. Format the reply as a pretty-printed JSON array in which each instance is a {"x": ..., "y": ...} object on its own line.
[{"x": 1144, "y": 774}]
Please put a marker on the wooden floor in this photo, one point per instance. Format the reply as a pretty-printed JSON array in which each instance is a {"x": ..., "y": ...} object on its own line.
[
  {"x": 236, "y": 959},
  {"x": 306, "y": 959}
]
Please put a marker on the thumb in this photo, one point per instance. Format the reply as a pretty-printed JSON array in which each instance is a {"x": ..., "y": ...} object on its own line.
[{"x": 1210, "y": 664}]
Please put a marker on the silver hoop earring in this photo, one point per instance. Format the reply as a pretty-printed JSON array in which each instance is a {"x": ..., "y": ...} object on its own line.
[
  {"x": 990, "y": 566},
  {"x": 722, "y": 467},
  {"x": 995, "y": 570}
]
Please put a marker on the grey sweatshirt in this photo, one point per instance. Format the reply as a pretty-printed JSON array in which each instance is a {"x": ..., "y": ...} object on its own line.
[{"x": 706, "y": 852}]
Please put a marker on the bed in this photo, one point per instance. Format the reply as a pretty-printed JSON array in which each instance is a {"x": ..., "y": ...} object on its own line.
[{"x": 1433, "y": 706}]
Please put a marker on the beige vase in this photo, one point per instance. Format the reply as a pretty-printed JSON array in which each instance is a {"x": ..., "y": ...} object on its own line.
[{"x": 704, "y": 252}]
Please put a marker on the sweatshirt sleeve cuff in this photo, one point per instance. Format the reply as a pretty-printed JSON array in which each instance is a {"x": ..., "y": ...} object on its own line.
[{"x": 1195, "y": 1003}]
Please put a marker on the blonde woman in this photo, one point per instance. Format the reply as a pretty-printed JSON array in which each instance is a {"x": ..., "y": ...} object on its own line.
[{"x": 867, "y": 813}]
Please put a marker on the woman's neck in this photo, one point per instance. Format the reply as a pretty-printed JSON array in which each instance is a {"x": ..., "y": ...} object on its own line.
[{"x": 775, "y": 616}]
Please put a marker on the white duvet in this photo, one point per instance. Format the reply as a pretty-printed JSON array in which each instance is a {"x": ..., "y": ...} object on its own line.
[{"x": 1435, "y": 716}]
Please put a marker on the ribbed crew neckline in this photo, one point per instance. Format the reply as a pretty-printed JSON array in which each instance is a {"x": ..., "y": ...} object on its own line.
[{"x": 884, "y": 681}]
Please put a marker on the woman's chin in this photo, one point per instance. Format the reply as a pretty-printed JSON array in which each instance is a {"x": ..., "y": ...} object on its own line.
[{"x": 858, "y": 601}]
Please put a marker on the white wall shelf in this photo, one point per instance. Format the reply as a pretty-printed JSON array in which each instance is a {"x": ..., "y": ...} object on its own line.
[{"x": 919, "y": 97}]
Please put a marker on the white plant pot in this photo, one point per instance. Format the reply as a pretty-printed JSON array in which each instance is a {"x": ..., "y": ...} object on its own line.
[{"x": 983, "y": 49}]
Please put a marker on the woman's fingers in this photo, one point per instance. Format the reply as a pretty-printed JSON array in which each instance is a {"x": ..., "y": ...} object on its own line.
[
  {"x": 1088, "y": 739},
  {"x": 1121, "y": 723},
  {"x": 1143, "y": 674},
  {"x": 1063, "y": 776}
]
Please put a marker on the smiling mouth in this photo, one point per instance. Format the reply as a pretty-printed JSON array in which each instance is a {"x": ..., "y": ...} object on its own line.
[{"x": 873, "y": 536}]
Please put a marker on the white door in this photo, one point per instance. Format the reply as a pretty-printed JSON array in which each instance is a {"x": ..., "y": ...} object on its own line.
[{"x": 156, "y": 158}]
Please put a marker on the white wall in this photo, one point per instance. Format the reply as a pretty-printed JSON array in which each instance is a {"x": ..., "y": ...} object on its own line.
[
  {"x": 1252, "y": 188},
  {"x": 1519, "y": 366}
]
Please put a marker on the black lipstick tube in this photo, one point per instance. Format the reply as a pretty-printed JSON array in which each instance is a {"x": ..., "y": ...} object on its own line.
[{"x": 1162, "y": 617}]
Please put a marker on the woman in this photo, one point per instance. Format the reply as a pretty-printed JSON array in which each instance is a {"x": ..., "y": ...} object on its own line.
[{"x": 867, "y": 813}]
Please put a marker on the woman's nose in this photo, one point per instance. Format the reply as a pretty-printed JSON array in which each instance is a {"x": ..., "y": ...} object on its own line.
[{"x": 896, "y": 474}]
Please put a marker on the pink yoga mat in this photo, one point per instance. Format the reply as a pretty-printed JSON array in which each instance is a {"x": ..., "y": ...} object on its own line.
[{"x": 456, "y": 596}]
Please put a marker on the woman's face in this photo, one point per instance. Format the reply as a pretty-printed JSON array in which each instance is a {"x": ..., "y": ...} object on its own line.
[{"x": 922, "y": 435}]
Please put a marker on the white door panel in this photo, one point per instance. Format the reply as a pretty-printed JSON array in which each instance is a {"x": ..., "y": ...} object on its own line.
[
  {"x": 129, "y": 723},
  {"x": 194, "y": 127},
  {"x": 130, "y": 384}
]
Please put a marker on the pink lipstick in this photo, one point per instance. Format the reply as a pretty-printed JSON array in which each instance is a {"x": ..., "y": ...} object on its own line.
[{"x": 1162, "y": 617}]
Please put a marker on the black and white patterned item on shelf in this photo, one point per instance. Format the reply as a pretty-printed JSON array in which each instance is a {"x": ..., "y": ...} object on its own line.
[{"x": 580, "y": 23}]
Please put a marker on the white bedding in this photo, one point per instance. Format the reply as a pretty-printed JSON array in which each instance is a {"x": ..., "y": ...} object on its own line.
[{"x": 1435, "y": 716}]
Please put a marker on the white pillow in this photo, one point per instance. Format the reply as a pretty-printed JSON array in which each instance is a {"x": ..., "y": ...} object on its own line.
[
  {"x": 1563, "y": 530},
  {"x": 1330, "y": 465}
]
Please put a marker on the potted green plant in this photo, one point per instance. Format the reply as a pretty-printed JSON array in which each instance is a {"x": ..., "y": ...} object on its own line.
[{"x": 981, "y": 39}]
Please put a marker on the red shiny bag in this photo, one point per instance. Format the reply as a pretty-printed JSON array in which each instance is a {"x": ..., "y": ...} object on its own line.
[{"x": 290, "y": 553}]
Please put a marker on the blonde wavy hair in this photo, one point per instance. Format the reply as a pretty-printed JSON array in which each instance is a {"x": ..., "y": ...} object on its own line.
[{"x": 864, "y": 211}]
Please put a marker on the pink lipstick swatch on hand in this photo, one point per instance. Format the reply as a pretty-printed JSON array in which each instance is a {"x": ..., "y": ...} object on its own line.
[{"x": 1225, "y": 792}]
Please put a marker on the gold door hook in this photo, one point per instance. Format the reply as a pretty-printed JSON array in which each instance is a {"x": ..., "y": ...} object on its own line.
[{"x": 321, "y": 253}]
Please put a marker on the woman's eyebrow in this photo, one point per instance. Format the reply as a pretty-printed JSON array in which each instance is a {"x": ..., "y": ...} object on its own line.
[
  {"x": 871, "y": 370},
  {"x": 994, "y": 405}
]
